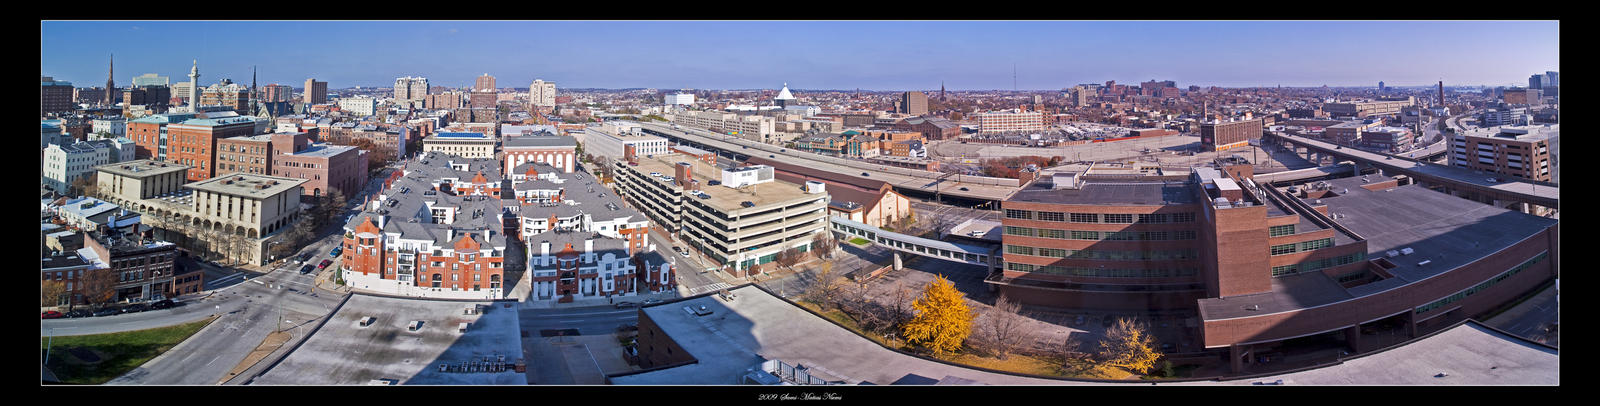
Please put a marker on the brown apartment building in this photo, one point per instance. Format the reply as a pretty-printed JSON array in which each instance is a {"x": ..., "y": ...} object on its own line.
[
  {"x": 931, "y": 128},
  {"x": 1519, "y": 151},
  {"x": 1217, "y": 136}
]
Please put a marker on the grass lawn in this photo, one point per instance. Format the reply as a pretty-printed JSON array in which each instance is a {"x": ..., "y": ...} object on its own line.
[
  {"x": 95, "y": 359},
  {"x": 860, "y": 241},
  {"x": 1014, "y": 363}
]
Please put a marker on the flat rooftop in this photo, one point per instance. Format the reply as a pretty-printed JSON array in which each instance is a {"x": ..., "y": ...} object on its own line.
[
  {"x": 247, "y": 185},
  {"x": 1519, "y": 132},
  {"x": 723, "y": 198},
  {"x": 1469, "y": 354},
  {"x": 1447, "y": 230},
  {"x": 343, "y": 352},
  {"x": 142, "y": 168},
  {"x": 1109, "y": 192},
  {"x": 756, "y": 327}
]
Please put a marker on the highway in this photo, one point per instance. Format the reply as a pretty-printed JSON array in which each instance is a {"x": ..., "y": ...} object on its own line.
[
  {"x": 1540, "y": 193},
  {"x": 901, "y": 178}
]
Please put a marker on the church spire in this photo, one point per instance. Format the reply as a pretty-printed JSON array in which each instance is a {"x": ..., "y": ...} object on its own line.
[{"x": 110, "y": 85}]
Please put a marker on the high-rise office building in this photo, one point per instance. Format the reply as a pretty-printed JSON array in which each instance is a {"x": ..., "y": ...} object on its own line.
[
  {"x": 914, "y": 103},
  {"x": 316, "y": 92},
  {"x": 542, "y": 93},
  {"x": 55, "y": 96},
  {"x": 276, "y": 93},
  {"x": 484, "y": 83}
]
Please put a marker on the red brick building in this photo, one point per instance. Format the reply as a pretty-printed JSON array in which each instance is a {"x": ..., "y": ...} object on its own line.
[
  {"x": 435, "y": 231},
  {"x": 194, "y": 142},
  {"x": 1259, "y": 265}
]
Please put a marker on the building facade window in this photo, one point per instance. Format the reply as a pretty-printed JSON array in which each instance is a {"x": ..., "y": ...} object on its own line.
[{"x": 1278, "y": 231}]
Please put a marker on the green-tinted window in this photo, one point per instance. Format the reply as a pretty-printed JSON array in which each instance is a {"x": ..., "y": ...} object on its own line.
[
  {"x": 1051, "y": 233},
  {"x": 1284, "y": 270},
  {"x": 1022, "y": 231},
  {"x": 1283, "y": 249},
  {"x": 1019, "y": 214},
  {"x": 1276, "y": 231},
  {"x": 1086, "y": 235},
  {"x": 1019, "y": 249},
  {"x": 1183, "y": 217},
  {"x": 1053, "y": 252},
  {"x": 1085, "y": 218},
  {"x": 1052, "y": 216},
  {"x": 1119, "y": 218},
  {"x": 1316, "y": 244},
  {"x": 1152, "y": 218}
]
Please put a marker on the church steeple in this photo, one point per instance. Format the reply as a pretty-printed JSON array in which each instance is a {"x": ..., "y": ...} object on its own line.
[{"x": 110, "y": 85}]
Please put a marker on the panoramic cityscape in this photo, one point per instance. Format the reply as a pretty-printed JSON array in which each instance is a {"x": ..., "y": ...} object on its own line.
[{"x": 829, "y": 203}]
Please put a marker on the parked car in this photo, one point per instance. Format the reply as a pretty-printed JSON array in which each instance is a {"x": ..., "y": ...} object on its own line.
[
  {"x": 964, "y": 189},
  {"x": 52, "y": 314},
  {"x": 684, "y": 253},
  {"x": 305, "y": 257},
  {"x": 651, "y": 301},
  {"x": 163, "y": 304},
  {"x": 336, "y": 251},
  {"x": 80, "y": 313},
  {"x": 625, "y": 305},
  {"x": 135, "y": 308},
  {"x": 306, "y": 269},
  {"x": 324, "y": 263},
  {"x": 109, "y": 311}
]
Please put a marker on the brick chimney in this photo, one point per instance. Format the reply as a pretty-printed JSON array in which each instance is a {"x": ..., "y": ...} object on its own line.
[{"x": 629, "y": 154}]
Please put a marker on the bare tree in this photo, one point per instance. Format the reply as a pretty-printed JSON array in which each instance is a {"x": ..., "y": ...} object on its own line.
[
  {"x": 900, "y": 305},
  {"x": 99, "y": 286},
  {"x": 823, "y": 245},
  {"x": 823, "y": 288},
  {"x": 50, "y": 293},
  {"x": 1004, "y": 326},
  {"x": 787, "y": 258}
]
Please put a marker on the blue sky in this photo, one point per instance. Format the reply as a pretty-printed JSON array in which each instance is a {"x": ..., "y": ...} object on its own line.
[{"x": 871, "y": 55}]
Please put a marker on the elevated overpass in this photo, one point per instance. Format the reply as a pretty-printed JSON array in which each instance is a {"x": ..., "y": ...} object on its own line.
[
  {"x": 971, "y": 254},
  {"x": 1521, "y": 195},
  {"x": 907, "y": 181}
]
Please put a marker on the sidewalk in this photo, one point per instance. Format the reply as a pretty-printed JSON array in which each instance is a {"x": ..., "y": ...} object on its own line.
[{"x": 600, "y": 301}]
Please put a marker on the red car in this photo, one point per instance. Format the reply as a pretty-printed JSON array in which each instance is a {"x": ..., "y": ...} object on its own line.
[
  {"x": 52, "y": 315},
  {"x": 324, "y": 263}
]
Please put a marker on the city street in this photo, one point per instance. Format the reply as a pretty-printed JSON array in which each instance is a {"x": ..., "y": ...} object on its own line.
[
  {"x": 250, "y": 305},
  {"x": 556, "y": 359}
]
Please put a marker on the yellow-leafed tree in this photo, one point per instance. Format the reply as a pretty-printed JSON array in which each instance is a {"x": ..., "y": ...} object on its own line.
[
  {"x": 943, "y": 321},
  {"x": 1128, "y": 346}
]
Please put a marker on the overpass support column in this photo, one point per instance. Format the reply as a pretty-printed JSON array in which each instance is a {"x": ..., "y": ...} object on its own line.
[
  {"x": 1411, "y": 324},
  {"x": 1352, "y": 337},
  {"x": 1239, "y": 356},
  {"x": 898, "y": 263}
]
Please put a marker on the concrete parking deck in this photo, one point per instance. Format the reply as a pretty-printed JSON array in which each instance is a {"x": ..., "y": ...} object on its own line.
[
  {"x": 1468, "y": 354},
  {"x": 345, "y": 353}
]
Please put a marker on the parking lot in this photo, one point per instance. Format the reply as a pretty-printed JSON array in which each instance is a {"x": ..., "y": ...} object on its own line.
[{"x": 345, "y": 352}]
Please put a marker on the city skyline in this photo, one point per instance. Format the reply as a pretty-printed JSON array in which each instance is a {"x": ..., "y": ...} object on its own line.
[{"x": 969, "y": 55}]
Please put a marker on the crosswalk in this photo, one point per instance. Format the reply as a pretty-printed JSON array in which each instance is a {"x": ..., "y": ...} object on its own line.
[{"x": 709, "y": 288}]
